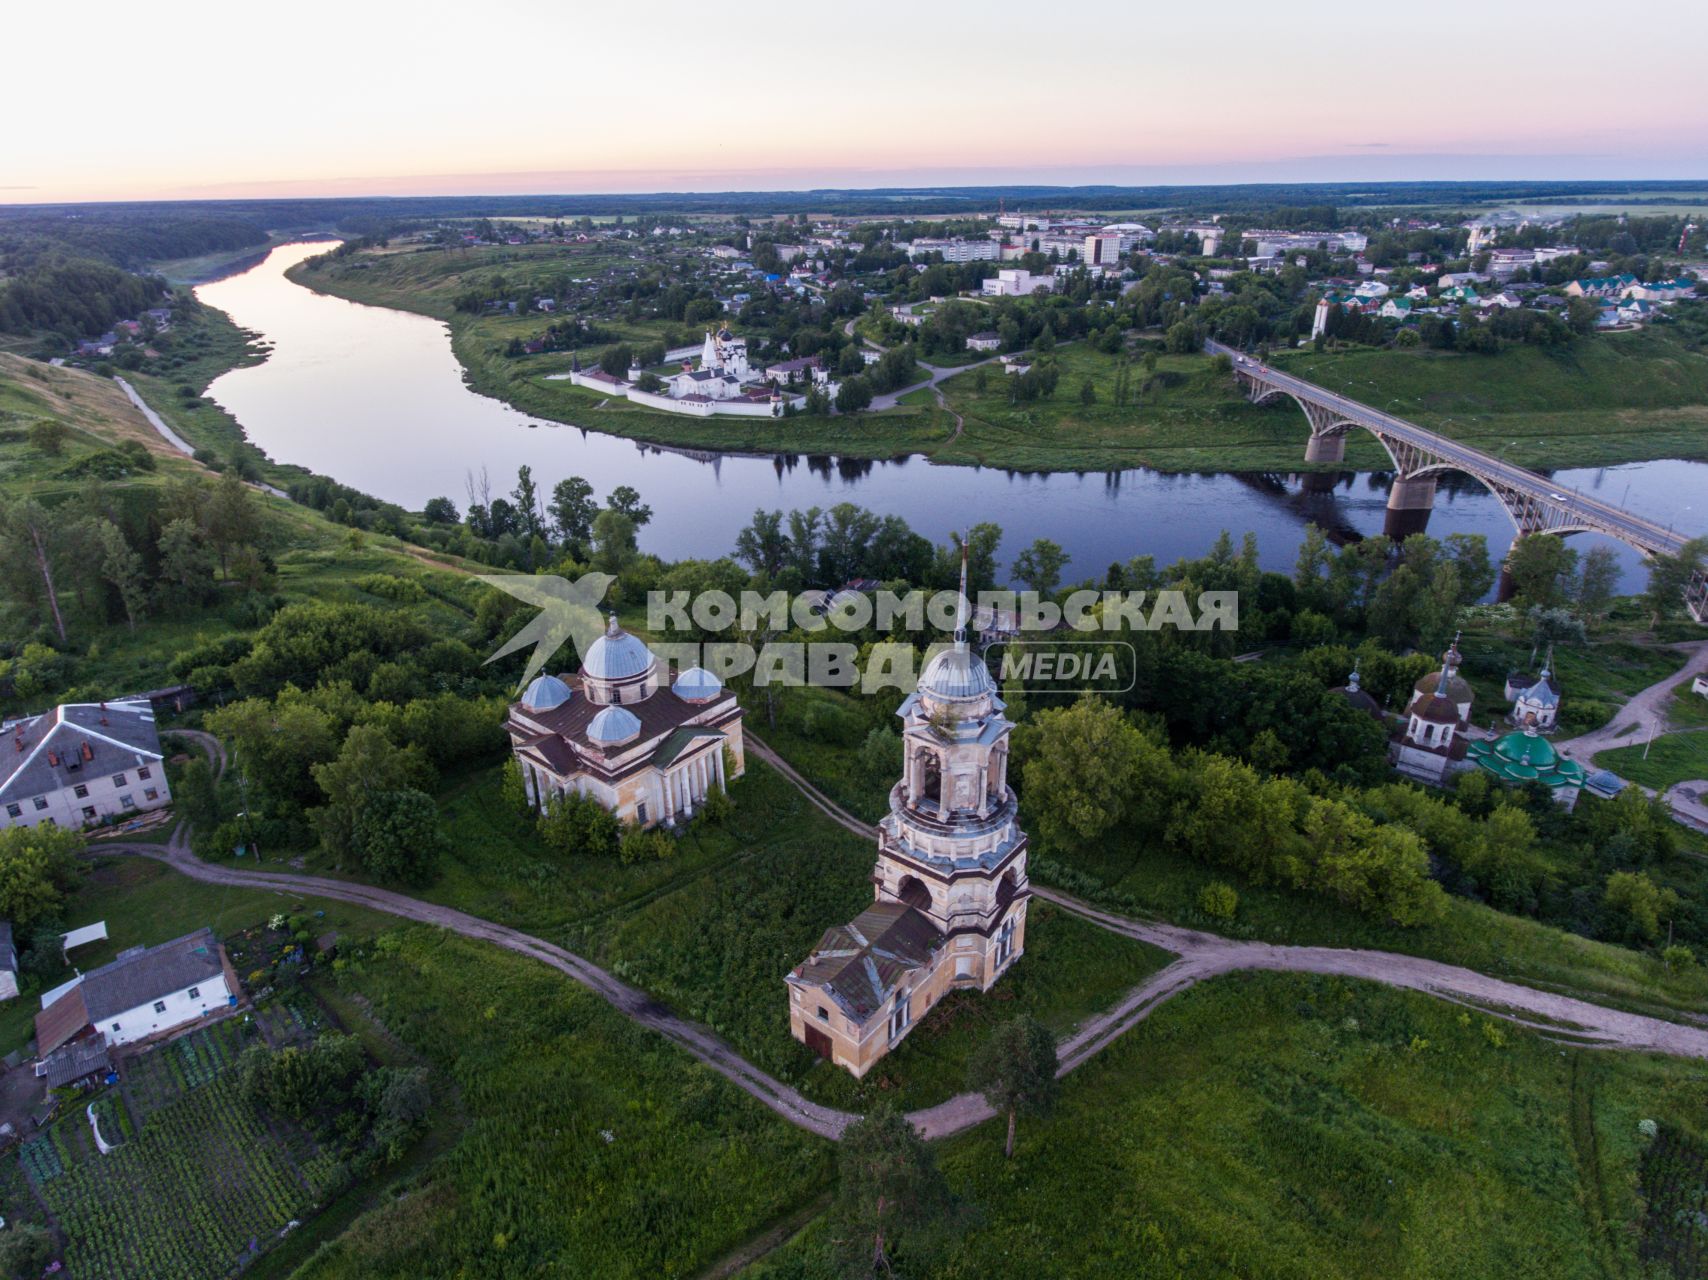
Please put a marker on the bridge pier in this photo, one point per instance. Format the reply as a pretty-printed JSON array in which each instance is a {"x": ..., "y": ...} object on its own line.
[
  {"x": 1410, "y": 501},
  {"x": 1326, "y": 448}
]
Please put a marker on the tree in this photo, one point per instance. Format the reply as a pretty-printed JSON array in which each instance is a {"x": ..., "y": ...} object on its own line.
[
  {"x": 1015, "y": 1070},
  {"x": 26, "y": 1250},
  {"x": 197, "y": 795},
  {"x": 626, "y": 502},
  {"x": 1040, "y": 566},
  {"x": 853, "y": 395},
  {"x": 1084, "y": 770},
  {"x": 889, "y": 1191},
  {"x": 1087, "y": 393},
  {"x": 526, "y": 498},
  {"x": 1598, "y": 575},
  {"x": 1540, "y": 567},
  {"x": 367, "y": 765},
  {"x": 616, "y": 360},
  {"x": 186, "y": 566},
  {"x": 763, "y": 546},
  {"x": 121, "y": 568},
  {"x": 38, "y": 867},
  {"x": 439, "y": 511},
  {"x": 1670, "y": 575},
  {"x": 1639, "y": 903},
  {"x": 48, "y": 436},
  {"x": 32, "y": 538},
  {"x": 613, "y": 541},
  {"x": 572, "y": 510},
  {"x": 230, "y": 518},
  {"x": 398, "y": 836}
]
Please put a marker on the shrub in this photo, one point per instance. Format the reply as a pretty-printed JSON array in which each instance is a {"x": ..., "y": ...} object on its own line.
[{"x": 1218, "y": 900}]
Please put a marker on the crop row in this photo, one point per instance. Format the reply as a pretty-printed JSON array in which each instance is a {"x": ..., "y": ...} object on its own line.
[{"x": 203, "y": 1185}]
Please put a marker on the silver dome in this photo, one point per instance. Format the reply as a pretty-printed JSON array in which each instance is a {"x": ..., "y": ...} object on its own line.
[
  {"x": 613, "y": 725},
  {"x": 696, "y": 684},
  {"x": 957, "y": 673},
  {"x": 616, "y": 655},
  {"x": 545, "y": 693}
]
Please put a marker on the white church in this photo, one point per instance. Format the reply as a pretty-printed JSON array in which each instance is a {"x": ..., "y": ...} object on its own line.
[{"x": 723, "y": 384}]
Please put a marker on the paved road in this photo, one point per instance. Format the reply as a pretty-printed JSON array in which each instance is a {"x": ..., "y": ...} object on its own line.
[
  {"x": 172, "y": 437},
  {"x": 1201, "y": 955},
  {"x": 1635, "y": 529}
]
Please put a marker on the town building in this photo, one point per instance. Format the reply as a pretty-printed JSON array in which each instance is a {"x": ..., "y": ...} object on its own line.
[
  {"x": 81, "y": 763},
  {"x": 649, "y": 754},
  {"x": 1524, "y": 756},
  {"x": 145, "y": 992},
  {"x": 988, "y": 340},
  {"x": 1602, "y": 286},
  {"x": 956, "y": 250},
  {"x": 1012, "y": 282},
  {"x": 950, "y": 885},
  {"x": 1436, "y": 719}
]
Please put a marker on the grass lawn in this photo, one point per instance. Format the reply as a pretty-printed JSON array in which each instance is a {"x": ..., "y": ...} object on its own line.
[
  {"x": 1596, "y": 679},
  {"x": 592, "y": 1147},
  {"x": 1601, "y": 400},
  {"x": 1296, "y": 1127},
  {"x": 1672, "y": 757}
]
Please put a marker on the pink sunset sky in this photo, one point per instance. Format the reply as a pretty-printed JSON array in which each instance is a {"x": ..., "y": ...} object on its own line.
[{"x": 189, "y": 99}]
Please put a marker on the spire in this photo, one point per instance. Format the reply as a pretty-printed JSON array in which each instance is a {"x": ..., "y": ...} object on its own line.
[
  {"x": 1548, "y": 664},
  {"x": 1352, "y": 680},
  {"x": 1447, "y": 666},
  {"x": 961, "y": 609}
]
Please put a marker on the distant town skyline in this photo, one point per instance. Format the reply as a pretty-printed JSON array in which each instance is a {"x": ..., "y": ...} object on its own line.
[{"x": 198, "y": 101}]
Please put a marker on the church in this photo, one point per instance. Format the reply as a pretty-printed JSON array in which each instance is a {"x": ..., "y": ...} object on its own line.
[
  {"x": 950, "y": 884},
  {"x": 722, "y": 373},
  {"x": 1432, "y": 742},
  {"x": 612, "y": 731}
]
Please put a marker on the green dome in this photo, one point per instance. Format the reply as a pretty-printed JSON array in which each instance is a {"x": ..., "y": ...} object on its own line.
[{"x": 1525, "y": 757}]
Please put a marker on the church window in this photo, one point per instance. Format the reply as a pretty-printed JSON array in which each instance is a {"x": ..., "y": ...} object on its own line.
[{"x": 823, "y": 1014}]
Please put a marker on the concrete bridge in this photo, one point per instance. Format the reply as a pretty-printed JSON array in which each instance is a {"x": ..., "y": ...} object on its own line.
[{"x": 1535, "y": 503}]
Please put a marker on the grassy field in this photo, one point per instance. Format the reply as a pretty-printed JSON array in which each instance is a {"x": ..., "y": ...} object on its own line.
[
  {"x": 1284, "y": 1126},
  {"x": 1599, "y": 401},
  {"x": 593, "y": 1147},
  {"x": 1673, "y": 757}
]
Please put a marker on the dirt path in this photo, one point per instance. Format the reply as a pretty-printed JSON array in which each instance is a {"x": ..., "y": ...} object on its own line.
[
  {"x": 1200, "y": 956},
  {"x": 1643, "y": 713}
]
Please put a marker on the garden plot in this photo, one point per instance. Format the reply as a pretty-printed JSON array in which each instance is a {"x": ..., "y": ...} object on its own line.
[{"x": 199, "y": 1183}]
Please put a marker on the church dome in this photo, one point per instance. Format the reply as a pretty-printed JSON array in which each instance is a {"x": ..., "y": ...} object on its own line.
[
  {"x": 1458, "y": 688},
  {"x": 616, "y": 655},
  {"x": 1437, "y": 710},
  {"x": 613, "y": 726},
  {"x": 696, "y": 684},
  {"x": 956, "y": 673},
  {"x": 545, "y": 693}
]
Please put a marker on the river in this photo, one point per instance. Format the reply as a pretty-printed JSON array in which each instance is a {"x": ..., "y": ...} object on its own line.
[{"x": 375, "y": 399}]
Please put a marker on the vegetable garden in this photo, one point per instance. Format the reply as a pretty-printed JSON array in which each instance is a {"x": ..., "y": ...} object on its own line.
[{"x": 199, "y": 1184}]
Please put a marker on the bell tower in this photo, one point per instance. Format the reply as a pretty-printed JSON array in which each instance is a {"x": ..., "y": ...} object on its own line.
[{"x": 951, "y": 845}]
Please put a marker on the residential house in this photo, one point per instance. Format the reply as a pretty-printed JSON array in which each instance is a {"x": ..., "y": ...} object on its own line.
[
  {"x": 1396, "y": 309},
  {"x": 81, "y": 763},
  {"x": 1662, "y": 290},
  {"x": 988, "y": 340},
  {"x": 145, "y": 992},
  {"x": 1601, "y": 286}
]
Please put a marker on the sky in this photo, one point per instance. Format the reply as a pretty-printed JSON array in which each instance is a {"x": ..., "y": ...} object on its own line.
[{"x": 188, "y": 99}]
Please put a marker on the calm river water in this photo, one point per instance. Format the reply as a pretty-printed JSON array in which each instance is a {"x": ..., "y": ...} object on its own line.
[{"x": 375, "y": 399}]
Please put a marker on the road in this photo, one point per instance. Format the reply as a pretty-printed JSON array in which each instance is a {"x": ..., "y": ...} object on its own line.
[
  {"x": 1200, "y": 956},
  {"x": 1640, "y": 532},
  {"x": 173, "y": 438},
  {"x": 1643, "y": 713}
]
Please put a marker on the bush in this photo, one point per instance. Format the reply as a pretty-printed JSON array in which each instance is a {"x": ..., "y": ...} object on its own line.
[
  {"x": 641, "y": 845},
  {"x": 1218, "y": 900}
]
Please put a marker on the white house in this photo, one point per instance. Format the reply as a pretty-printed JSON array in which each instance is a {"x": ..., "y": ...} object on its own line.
[
  {"x": 989, "y": 340},
  {"x": 146, "y": 992},
  {"x": 1700, "y": 685},
  {"x": 81, "y": 763},
  {"x": 1011, "y": 282}
]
